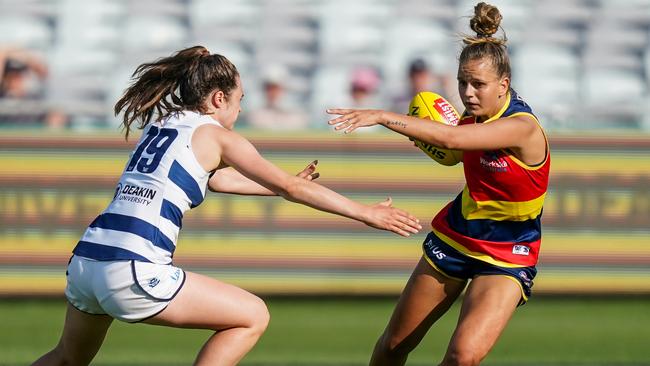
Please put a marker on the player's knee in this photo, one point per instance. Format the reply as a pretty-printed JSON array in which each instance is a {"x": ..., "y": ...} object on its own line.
[{"x": 461, "y": 357}]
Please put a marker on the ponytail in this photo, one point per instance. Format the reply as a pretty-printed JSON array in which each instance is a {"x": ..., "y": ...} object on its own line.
[{"x": 173, "y": 84}]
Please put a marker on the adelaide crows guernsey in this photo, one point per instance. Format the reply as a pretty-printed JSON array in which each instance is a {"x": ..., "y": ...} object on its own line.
[
  {"x": 496, "y": 218},
  {"x": 161, "y": 181}
]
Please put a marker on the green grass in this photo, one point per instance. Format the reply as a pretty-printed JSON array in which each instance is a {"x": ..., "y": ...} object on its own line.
[{"x": 312, "y": 331}]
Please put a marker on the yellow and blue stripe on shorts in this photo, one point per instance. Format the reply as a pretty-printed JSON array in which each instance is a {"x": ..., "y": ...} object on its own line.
[{"x": 454, "y": 264}]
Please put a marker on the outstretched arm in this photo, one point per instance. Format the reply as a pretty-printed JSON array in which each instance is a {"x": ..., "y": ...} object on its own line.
[
  {"x": 229, "y": 180},
  {"x": 520, "y": 133},
  {"x": 239, "y": 153}
]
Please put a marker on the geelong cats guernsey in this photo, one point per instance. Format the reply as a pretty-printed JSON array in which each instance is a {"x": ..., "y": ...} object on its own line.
[
  {"x": 161, "y": 180},
  {"x": 496, "y": 218}
]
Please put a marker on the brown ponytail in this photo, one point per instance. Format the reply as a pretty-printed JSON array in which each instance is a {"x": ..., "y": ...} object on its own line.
[
  {"x": 173, "y": 84},
  {"x": 486, "y": 22}
]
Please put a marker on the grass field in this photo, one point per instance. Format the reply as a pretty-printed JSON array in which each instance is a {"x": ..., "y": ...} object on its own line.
[{"x": 547, "y": 331}]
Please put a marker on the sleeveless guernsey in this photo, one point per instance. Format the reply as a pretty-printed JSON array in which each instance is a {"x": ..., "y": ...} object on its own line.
[
  {"x": 161, "y": 181},
  {"x": 496, "y": 218}
]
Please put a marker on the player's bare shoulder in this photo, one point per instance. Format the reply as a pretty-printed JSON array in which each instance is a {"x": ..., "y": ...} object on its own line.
[
  {"x": 208, "y": 144},
  {"x": 214, "y": 134}
]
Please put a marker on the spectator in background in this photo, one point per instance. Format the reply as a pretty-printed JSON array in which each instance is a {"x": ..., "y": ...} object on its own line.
[
  {"x": 275, "y": 114},
  {"x": 422, "y": 78},
  {"x": 364, "y": 85},
  {"x": 22, "y": 75}
]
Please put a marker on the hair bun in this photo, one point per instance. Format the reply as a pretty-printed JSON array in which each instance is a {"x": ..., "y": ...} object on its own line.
[
  {"x": 204, "y": 52},
  {"x": 486, "y": 20}
]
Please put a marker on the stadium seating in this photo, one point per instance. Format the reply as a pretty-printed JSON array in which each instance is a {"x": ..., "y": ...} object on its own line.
[
  {"x": 27, "y": 31},
  {"x": 567, "y": 54}
]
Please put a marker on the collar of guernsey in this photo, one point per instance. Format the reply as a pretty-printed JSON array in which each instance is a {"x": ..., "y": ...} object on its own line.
[
  {"x": 497, "y": 216},
  {"x": 161, "y": 181}
]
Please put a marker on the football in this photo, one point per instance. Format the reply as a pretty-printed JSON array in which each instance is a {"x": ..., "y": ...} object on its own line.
[{"x": 432, "y": 106}]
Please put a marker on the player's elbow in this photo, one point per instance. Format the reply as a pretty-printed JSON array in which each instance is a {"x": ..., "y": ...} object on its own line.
[
  {"x": 214, "y": 186},
  {"x": 447, "y": 139},
  {"x": 223, "y": 185},
  {"x": 292, "y": 189}
]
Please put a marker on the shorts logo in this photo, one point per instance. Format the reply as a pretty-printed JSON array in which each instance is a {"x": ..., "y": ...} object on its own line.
[
  {"x": 176, "y": 274},
  {"x": 527, "y": 281},
  {"x": 435, "y": 250},
  {"x": 520, "y": 250},
  {"x": 438, "y": 253},
  {"x": 523, "y": 275},
  {"x": 154, "y": 282}
]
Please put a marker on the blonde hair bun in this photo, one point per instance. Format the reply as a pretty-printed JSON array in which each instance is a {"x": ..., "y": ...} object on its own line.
[
  {"x": 486, "y": 20},
  {"x": 485, "y": 23}
]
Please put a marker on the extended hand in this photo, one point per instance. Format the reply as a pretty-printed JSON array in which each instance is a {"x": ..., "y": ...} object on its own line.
[
  {"x": 386, "y": 217},
  {"x": 309, "y": 172},
  {"x": 351, "y": 119}
]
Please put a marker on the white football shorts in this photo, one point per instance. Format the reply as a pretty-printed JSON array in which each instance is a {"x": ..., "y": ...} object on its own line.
[{"x": 130, "y": 291}]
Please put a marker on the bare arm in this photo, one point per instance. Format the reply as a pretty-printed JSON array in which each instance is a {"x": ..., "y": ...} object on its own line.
[
  {"x": 237, "y": 152},
  {"x": 520, "y": 133},
  {"x": 229, "y": 180}
]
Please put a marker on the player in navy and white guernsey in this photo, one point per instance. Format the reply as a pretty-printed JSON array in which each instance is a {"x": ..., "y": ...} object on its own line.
[
  {"x": 122, "y": 266},
  {"x": 488, "y": 239},
  {"x": 161, "y": 181}
]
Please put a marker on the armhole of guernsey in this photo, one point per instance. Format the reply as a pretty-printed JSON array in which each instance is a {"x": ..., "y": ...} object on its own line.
[
  {"x": 203, "y": 121},
  {"x": 521, "y": 163}
]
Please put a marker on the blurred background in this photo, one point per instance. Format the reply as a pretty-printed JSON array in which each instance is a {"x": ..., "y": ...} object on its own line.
[{"x": 583, "y": 65}]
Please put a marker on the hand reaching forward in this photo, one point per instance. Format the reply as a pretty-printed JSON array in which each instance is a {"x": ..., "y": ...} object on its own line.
[
  {"x": 309, "y": 172},
  {"x": 386, "y": 217},
  {"x": 351, "y": 119}
]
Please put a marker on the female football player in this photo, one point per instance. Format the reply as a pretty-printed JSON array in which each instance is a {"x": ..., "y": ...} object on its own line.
[
  {"x": 122, "y": 267},
  {"x": 490, "y": 234}
]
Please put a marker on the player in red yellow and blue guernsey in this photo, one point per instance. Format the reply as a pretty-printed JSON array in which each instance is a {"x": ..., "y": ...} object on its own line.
[
  {"x": 494, "y": 223},
  {"x": 490, "y": 234}
]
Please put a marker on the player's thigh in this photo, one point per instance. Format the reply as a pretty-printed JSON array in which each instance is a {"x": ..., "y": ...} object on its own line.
[
  {"x": 83, "y": 334},
  {"x": 204, "y": 302},
  {"x": 489, "y": 303},
  {"x": 427, "y": 296}
]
